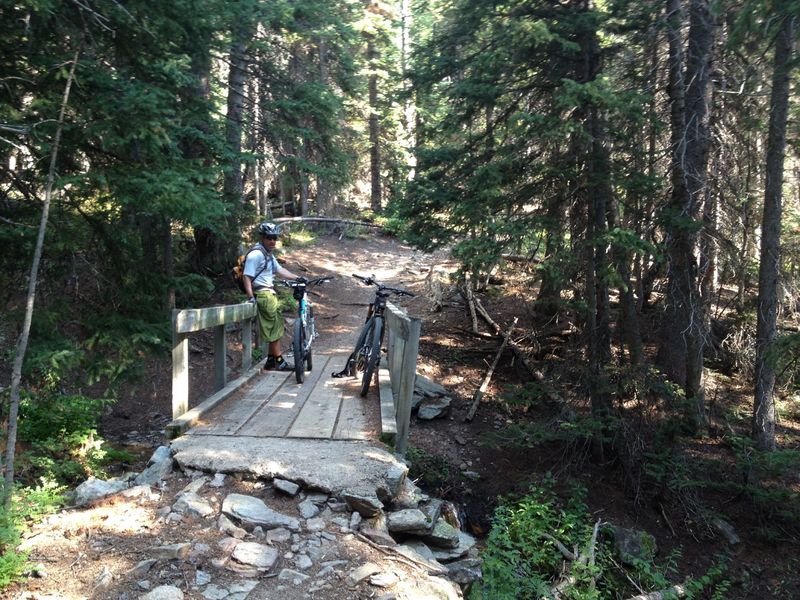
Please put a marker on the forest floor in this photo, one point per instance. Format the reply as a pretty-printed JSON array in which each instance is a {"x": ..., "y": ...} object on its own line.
[{"x": 449, "y": 451}]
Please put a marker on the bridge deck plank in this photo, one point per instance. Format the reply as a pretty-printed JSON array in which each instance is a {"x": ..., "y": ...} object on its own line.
[{"x": 274, "y": 405}]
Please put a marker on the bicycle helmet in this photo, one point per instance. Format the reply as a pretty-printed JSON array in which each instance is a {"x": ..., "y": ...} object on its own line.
[{"x": 267, "y": 228}]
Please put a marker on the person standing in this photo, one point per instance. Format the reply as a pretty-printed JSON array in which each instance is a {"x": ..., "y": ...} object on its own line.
[{"x": 260, "y": 269}]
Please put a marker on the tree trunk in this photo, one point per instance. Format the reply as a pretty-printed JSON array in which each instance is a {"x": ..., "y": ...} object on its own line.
[
  {"x": 769, "y": 270},
  {"x": 374, "y": 127},
  {"x": 232, "y": 187},
  {"x": 22, "y": 342},
  {"x": 683, "y": 331}
]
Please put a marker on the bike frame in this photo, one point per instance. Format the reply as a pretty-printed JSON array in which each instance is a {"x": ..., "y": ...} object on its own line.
[
  {"x": 305, "y": 326},
  {"x": 367, "y": 354}
]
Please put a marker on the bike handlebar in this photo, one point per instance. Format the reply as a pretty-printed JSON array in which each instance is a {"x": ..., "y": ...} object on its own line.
[
  {"x": 306, "y": 282},
  {"x": 381, "y": 287}
]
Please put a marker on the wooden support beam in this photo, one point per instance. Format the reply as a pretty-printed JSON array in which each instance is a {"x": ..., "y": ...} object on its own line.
[{"x": 220, "y": 356}]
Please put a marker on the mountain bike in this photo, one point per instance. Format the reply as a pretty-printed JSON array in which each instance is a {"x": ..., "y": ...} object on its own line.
[
  {"x": 305, "y": 325},
  {"x": 367, "y": 354}
]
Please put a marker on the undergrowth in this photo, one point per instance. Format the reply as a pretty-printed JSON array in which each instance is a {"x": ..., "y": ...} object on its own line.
[{"x": 544, "y": 546}]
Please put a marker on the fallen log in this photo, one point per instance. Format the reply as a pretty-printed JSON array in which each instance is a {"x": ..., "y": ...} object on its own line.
[
  {"x": 520, "y": 356},
  {"x": 326, "y": 220},
  {"x": 476, "y": 398}
]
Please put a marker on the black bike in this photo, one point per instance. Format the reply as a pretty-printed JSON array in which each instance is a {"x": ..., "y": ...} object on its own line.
[
  {"x": 367, "y": 354},
  {"x": 305, "y": 325}
]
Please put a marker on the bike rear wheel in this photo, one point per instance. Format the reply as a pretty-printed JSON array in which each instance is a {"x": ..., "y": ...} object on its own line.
[
  {"x": 372, "y": 356},
  {"x": 298, "y": 349}
]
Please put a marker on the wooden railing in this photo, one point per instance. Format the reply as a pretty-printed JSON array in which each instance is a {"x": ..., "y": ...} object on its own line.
[
  {"x": 397, "y": 380},
  {"x": 188, "y": 321}
]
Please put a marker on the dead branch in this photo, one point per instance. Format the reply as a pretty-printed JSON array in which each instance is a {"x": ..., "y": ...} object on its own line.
[
  {"x": 394, "y": 554},
  {"x": 519, "y": 355},
  {"x": 676, "y": 591},
  {"x": 587, "y": 557},
  {"x": 476, "y": 398},
  {"x": 561, "y": 547},
  {"x": 486, "y": 317},
  {"x": 471, "y": 302}
]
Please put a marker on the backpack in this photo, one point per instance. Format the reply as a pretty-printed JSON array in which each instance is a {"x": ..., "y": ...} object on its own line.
[{"x": 237, "y": 271}]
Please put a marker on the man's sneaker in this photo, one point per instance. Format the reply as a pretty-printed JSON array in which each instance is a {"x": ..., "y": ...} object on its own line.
[
  {"x": 282, "y": 365},
  {"x": 270, "y": 364}
]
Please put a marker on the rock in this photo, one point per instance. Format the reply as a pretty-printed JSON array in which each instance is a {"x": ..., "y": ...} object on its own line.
[
  {"x": 103, "y": 581},
  {"x": 296, "y": 577},
  {"x": 366, "y": 506},
  {"x": 432, "y": 508},
  {"x": 218, "y": 481},
  {"x": 465, "y": 543},
  {"x": 433, "y": 408},
  {"x": 355, "y": 521},
  {"x": 631, "y": 545},
  {"x": 93, "y": 489},
  {"x": 318, "y": 499},
  {"x": 287, "y": 487},
  {"x": 315, "y": 525},
  {"x": 278, "y": 535},
  {"x": 396, "y": 474},
  {"x": 409, "y": 496},
  {"x": 214, "y": 592},
  {"x": 443, "y": 535},
  {"x": 164, "y": 592},
  {"x": 252, "y": 511},
  {"x": 255, "y": 555},
  {"x": 411, "y": 551},
  {"x": 727, "y": 531},
  {"x": 171, "y": 551},
  {"x": 142, "y": 568},
  {"x": 410, "y": 520},
  {"x": 450, "y": 514},
  {"x": 195, "y": 485},
  {"x": 303, "y": 562},
  {"x": 228, "y": 527},
  {"x": 471, "y": 475},
  {"x": 380, "y": 537},
  {"x": 190, "y": 503},
  {"x": 201, "y": 578},
  {"x": 465, "y": 571},
  {"x": 308, "y": 509},
  {"x": 428, "y": 388},
  {"x": 361, "y": 573},
  {"x": 139, "y": 491},
  {"x": 383, "y": 580},
  {"x": 158, "y": 467}
]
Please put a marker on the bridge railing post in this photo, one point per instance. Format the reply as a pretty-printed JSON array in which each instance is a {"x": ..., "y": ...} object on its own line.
[{"x": 403, "y": 348}]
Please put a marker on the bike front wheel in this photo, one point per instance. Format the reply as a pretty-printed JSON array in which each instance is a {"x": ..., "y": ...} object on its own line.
[
  {"x": 298, "y": 349},
  {"x": 372, "y": 356},
  {"x": 312, "y": 334}
]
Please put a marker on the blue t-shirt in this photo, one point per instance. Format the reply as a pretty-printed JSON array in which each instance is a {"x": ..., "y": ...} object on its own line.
[{"x": 254, "y": 263}]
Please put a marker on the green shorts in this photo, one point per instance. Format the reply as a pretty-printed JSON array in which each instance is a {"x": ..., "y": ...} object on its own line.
[{"x": 270, "y": 320}]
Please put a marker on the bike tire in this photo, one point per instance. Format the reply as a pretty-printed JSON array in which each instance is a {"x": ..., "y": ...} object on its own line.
[
  {"x": 312, "y": 325},
  {"x": 362, "y": 347},
  {"x": 298, "y": 343},
  {"x": 374, "y": 356}
]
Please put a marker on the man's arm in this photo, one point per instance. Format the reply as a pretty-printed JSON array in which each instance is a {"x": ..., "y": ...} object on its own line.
[
  {"x": 285, "y": 273},
  {"x": 248, "y": 287}
]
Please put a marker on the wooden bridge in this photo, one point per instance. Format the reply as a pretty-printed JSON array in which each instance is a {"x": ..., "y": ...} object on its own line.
[{"x": 271, "y": 404}]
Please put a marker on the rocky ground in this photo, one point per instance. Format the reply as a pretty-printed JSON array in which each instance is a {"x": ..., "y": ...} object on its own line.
[
  {"x": 187, "y": 534},
  {"x": 153, "y": 536}
]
